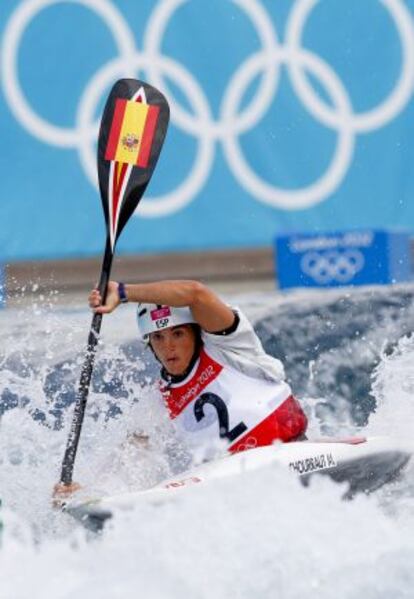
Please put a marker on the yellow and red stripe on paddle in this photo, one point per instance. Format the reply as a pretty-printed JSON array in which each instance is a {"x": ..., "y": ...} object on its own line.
[{"x": 132, "y": 132}]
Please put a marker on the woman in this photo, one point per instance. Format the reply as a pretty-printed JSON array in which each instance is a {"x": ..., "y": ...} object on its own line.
[
  {"x": 217, "y": 382},
  {"x": 221, "y": 390}
]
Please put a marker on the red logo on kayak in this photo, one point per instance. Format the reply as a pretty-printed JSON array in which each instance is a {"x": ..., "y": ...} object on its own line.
[{"x": 162, "y": 312}]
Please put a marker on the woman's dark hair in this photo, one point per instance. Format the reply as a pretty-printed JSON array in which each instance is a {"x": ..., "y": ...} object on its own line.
[{"x": 199, "y": 341}]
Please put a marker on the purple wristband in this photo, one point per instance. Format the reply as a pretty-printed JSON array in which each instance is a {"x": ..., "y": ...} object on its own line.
[{"x": 122, "y": 293}]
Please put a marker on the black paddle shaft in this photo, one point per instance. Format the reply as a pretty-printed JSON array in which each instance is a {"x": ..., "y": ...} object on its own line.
[{"x": 86, "y": 375}]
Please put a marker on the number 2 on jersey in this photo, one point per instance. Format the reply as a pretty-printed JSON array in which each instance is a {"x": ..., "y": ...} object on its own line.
[{"x": 222, "y": 415}]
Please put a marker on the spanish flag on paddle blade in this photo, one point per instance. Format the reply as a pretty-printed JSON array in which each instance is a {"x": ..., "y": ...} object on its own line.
[{"x": 132, "y": 131}]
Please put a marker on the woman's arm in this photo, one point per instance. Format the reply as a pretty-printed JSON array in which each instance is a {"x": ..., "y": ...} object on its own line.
[{"x": 209, "y": 311}]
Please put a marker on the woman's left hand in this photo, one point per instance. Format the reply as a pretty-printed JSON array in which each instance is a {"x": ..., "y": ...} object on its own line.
[{"x": 62, "y": 492}]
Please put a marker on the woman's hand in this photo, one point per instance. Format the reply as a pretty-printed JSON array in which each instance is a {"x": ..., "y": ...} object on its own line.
[
  {"x": 62, "y": 492},
  {"x": 112, "y": 299}
]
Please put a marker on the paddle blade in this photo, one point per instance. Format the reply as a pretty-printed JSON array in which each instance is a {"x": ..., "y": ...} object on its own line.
[{"x": 132, "y": 133}]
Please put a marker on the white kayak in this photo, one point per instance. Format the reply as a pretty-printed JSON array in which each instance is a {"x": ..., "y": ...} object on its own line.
[{"x": 366, "y": 464}]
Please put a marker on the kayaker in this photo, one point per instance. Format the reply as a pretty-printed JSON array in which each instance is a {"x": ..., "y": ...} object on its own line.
[
  {"x": 217, "y": 382},
  {"x": 222, "y": 391}
]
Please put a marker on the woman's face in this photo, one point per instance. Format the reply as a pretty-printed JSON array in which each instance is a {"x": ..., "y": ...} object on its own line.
[{"x": 174, "y": 347}]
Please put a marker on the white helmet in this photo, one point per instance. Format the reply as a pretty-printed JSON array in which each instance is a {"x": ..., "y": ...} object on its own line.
[{"x": 154, "y": 317}]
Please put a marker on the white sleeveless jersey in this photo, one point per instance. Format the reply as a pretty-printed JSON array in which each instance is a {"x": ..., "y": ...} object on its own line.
[{"x": 229, "y": 395}]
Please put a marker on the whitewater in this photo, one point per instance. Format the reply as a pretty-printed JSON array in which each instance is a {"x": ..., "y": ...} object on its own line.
[{"x": 349, "y": 357}]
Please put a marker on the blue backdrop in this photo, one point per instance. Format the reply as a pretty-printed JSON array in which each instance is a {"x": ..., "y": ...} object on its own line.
[{"x": 285, "y": 116}]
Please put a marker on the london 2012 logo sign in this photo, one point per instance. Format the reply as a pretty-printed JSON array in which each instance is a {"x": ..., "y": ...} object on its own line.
[{"x": 334, "y": 111}]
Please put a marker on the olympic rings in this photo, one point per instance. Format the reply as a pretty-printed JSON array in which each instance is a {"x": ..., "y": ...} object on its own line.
[
  {"x": 249, "y": 443},
  {"x": 333, "y": 266},
  {"x": 233, "y": 120}
]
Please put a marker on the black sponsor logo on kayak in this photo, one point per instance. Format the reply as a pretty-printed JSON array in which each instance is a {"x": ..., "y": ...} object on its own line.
[{"x": 312, "y": 464}]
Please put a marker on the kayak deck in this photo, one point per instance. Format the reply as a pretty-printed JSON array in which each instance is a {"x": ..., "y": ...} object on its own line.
[{"x": 365, "y": 464}]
